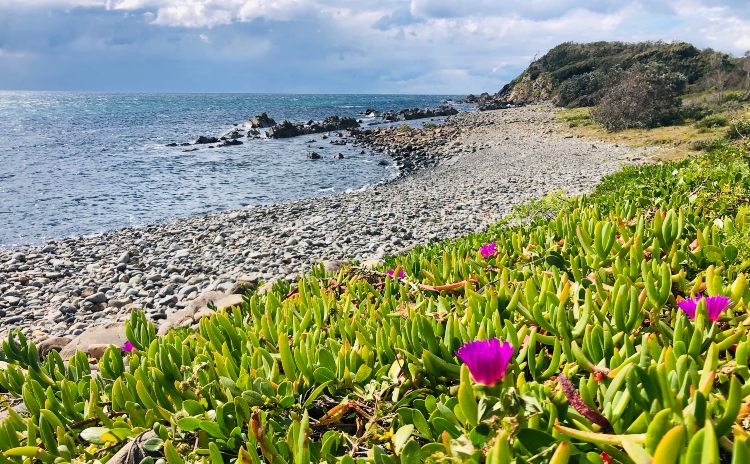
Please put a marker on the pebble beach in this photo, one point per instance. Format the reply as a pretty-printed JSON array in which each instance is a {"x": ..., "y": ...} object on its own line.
[{"x": 456, "y": 179}]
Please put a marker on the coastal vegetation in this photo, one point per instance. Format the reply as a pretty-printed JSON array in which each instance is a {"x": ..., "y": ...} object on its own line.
[
  {"x": 610, "y": 327},
  {"x": 698, "y": 122},
  {"x": 629, "y": 85}
]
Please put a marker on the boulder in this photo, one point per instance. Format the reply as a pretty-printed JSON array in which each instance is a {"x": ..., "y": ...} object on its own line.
[
  {"x": 332, "y": 123},
  {"x": 52, "y": 343},
  {"x": 262, "y": 120},
  {"x": 198, "y": 308},
  {"x": 417, "y": 113},
  {"x": 229, "y": 143},
  {"x": 313, "y": 155},
  {"x": 246, "y": 282},
  {"x": 284, "y": 130},
  {"x": 204, "y": 140},
  {"x": 109, "y": 334}
]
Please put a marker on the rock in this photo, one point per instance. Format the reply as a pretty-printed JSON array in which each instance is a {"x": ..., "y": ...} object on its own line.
[
  {"x": 124, "y": 258},
  {"x": 262, "y": 120},
  {"x": 246, "y": 282},
  {"x": 202, "y": 140},
  {"x": 182, "y": 254},
  {"x": 52, "y": 343},
  {"x": 168, "y": 300},
  {"x": 267, "y": 287},
  {"x": 332, "y": 267},
  {"x": 338, "y": 156},
  {"x": 134, "y": 451},
  {"x": 372, "y": 263},
  {"x": 109, "y": 334},
  {"x": 313, "y": 155},
  {"x": 198, "y": 308},
  {"x": 416, "y": 113},
  {"x": 96, "y": 298},
  {"x": 332, "y": 123},
  {"x": 96, "y": 351},
  {"x": 229, "y": 143},
  {"x": 228, "y": 301},
  {"x": 119, "y": 302}
]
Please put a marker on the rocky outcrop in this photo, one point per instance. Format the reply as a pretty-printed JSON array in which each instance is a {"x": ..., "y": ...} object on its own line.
[
  {"x": 486, "y": 101},
  {"x": 94, "y": 340},
  {"x": 202, "y": 140},
  {"x": 527, "y": 89},
  {"x": 262, "y": 121},
  {"x": 420, "y": 113},
  {"x": 332, "y": 123}
]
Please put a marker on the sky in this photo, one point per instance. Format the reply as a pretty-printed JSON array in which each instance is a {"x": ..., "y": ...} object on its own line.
[{"x": 327, "y": 46}]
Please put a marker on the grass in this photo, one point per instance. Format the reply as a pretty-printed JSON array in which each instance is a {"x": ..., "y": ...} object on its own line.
[
  {"x": 360, "y": 367},
  {"x": 677, "y": 141}
]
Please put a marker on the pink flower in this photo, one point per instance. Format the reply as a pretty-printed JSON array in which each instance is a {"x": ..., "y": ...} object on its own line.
[
  {"x": 488, "y": 249},
  {"x": 127, "y": 347},
  {"x": 401, "y": 273},
  {"x": 487, "y": 359},
  {"x": 714, "y": 306}
]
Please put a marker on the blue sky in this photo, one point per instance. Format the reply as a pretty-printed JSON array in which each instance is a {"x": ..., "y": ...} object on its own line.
[{"x": 320, "y": 46}]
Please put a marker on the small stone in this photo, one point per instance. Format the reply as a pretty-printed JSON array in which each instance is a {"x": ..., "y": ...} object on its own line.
[
  {"x": 168, "y": 300},
  {"x": 124, "y": 258},
  {"x": 96, "y": 298}
]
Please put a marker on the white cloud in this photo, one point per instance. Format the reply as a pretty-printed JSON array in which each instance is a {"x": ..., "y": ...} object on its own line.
[{"x": 401, "y": 45}]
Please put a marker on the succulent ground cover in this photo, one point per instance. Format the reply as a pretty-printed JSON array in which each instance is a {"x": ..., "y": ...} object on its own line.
[{"x": 606, "y": 328}]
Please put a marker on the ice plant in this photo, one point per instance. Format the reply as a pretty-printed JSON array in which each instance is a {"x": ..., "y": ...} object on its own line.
[
  {"x": 714, "y": 306},
  {"x": 488, "y": 249},
  {"x": 127, "y": 347},
  {"x": 401, "y": 273},
  {"x": 487, "y": 359}
]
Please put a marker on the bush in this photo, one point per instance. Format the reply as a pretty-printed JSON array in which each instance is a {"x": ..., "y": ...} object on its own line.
[
  {"x": 739, "y": 129},
  {"x": 714, "y": 120},
  {"x": 583, "y": 90},
  {"x": 708, "y": 144},
  {"x": 646, "y": 96}
]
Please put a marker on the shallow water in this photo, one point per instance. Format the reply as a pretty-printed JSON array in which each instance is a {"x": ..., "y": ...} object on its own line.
[{"x": 80, "y": 163}]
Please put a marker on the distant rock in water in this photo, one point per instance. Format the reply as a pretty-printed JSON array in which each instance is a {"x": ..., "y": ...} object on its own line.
[
  {"x": 261, "y": 121},
  {"x": 417, "y": 113},
  {"x": 204, "y": 140},
  {"x": 313, "y": 155},
  {"x": 332, "y": 123},
  {"x": 229, "y": 143}
]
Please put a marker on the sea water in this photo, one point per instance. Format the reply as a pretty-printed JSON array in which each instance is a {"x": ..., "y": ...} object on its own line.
[{"x": 77, "y": 163}]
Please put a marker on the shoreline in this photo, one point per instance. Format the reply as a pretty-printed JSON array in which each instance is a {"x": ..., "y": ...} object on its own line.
[{"x": 472, "y": 177}]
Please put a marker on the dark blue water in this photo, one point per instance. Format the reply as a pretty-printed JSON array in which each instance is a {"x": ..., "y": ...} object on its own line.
[{"x": 81, "y": 163}]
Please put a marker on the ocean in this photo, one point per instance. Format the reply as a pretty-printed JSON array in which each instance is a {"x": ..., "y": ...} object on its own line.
[{"x": 78, "y": 163}]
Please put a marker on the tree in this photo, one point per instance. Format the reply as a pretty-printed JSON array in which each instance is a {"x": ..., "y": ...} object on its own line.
[
  {"x": 646, "y": 96},
  {"x": 746, "y": 68}
]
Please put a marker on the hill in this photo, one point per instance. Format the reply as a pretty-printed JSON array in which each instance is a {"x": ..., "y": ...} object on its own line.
[{"x": 574, "y": 75}]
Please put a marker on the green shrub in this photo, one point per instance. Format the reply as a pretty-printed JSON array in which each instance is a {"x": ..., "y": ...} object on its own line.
[
  {"x": 739, "y": 129},
  {"x": 646, "y": 96},
  {"x": 709, "y": 144},
  {"x": 714, "y": 120}
]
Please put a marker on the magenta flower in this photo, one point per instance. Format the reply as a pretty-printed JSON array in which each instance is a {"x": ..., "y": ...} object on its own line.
[
  {"x": 401, "y": 273},
  {"x": 714, "y": 306},
  {"x": 487, "y": 359},
  {"x": 127, "y": 347},
  {"x": 488, "y": 249}
]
